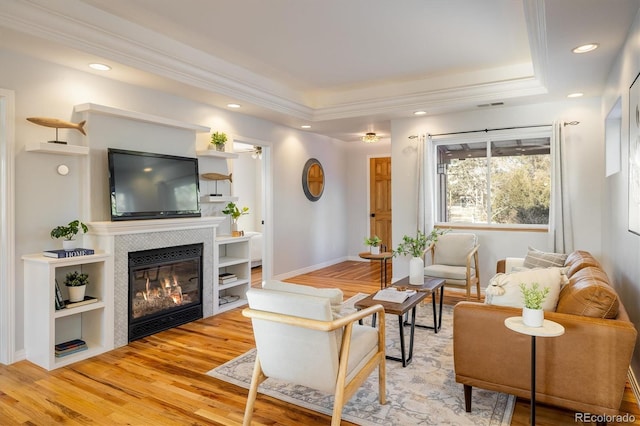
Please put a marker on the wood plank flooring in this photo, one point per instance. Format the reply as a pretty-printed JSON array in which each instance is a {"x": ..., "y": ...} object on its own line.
[{"x": 160, "y": 380}]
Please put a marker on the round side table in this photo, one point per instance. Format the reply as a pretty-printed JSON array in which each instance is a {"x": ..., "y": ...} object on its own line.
[{"x": 548, "y": 329}]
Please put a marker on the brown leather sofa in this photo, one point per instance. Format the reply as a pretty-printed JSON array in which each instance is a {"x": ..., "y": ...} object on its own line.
[{"x": 584, "y": 370}]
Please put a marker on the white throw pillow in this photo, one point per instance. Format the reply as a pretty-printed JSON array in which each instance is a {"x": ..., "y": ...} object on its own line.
[{"x": 504, "y": 289}]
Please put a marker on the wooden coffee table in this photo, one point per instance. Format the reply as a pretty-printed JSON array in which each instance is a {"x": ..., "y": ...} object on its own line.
[
  {"x": 399, "y": 309},
  {"x": 429, "y": 287}
]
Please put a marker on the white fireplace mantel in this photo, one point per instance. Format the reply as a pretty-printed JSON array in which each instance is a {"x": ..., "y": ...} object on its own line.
[{"x": 126, "y": 227}]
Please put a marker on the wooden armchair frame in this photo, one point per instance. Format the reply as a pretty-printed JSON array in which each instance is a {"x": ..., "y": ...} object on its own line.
[
  {"x": 343, "y": 390},
  {"x": 470, "y": 279}
]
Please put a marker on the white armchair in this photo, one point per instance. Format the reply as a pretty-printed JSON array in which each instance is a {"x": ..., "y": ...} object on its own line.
[
  {"x": 300, "y": 339},
  {"x": 455, "y": 258}
]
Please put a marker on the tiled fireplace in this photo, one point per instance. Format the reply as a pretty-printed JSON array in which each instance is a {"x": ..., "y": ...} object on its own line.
[{"x": 123, "y": 238}]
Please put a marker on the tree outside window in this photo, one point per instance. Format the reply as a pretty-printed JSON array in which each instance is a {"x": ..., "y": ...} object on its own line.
[{"x": 494, "y": 181}]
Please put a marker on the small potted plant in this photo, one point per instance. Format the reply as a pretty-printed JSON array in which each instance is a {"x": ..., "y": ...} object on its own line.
[
  {"x": 532, "y": 313},
  {"x": 218, "y": 139},
  {"x": 374, "y": 244},
  {"x": 232, "y": 210},
  {"x": 416, "y": 246},
  {"x": 68, "y": 233},
  {"x": 76, "y": 283}
]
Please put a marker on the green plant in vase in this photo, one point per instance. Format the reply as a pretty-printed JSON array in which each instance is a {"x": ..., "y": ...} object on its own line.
[
  {"x": 374, "y": 244},
  {"x": 218, "y": 140},
  {"x": 76, "y": 283},
  {"x": 235, "y": 212},
  {"x": 416, "y": 247},
  {"x": 533, "y": 297},
  {"x": 68, "y": 233}
]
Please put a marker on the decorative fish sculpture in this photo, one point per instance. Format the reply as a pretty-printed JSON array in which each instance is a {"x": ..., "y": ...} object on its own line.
[
  {"x": 58, "y": 124},
  {"x": 217, "y": 176}
]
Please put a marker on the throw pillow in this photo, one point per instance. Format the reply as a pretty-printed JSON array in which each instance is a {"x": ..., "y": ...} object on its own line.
[
  {"x": 539, "y": 259},
  {"x": 504, "y": 289}
]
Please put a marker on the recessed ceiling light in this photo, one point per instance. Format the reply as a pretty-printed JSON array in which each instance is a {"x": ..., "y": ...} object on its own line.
[
  {"x": 585, "y": 48},
  {"x": 575, "y": 95},
  {"x": 420, "y": 113},
  {"x": 233, "y": 105},
  {"x": 99, "y": 67},
  {"x": 305, "y": 126}
]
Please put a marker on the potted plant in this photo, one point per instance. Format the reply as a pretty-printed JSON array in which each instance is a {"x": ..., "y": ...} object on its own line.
[
  {"x": 232, "y": 210},
  {"x": 374, "y": 244},
  {"x": 532, "y": 313},
  {"x": 68, "y": 233},
  {"x": 76, "y": 283},
  {"x": 218, "y": 139},
  {"x": 416, "y": 246}
]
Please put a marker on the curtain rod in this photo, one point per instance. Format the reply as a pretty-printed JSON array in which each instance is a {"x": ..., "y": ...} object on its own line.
[{"x": 570, "y": 123}]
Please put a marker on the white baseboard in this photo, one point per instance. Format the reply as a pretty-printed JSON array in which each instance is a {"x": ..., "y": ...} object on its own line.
[
  {"x": 308, "y": 269},
  {"x": 635, "y": 387}
]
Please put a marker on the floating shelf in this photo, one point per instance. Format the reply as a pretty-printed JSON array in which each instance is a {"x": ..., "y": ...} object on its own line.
[
  {"x": 218, "y": 199},
  {"x": 58, "y": 148},
  {"x": 139, "y": 116},
  {"x": 218, "y": 154}
]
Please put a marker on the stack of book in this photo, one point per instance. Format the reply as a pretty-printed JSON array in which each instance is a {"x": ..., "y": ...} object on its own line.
[
  {"x": 226, "y": 278},
  {"x": 70, "y": 347}
]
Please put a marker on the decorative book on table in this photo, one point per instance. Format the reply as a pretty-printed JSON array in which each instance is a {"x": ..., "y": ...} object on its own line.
[
  {"x": 87, "y": 300},
  {"x": 391, "y": 294},
  {"x": 59, "y": 254}
]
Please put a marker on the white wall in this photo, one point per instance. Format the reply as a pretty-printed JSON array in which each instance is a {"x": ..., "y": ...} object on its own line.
[
  {"x": 621, "y": 248},
  {"x": 305, "y": 233},
  {"x": 585, "y": 162}
]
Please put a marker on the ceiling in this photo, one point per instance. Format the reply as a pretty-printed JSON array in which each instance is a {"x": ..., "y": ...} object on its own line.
[{"x": 344, "y": 67}]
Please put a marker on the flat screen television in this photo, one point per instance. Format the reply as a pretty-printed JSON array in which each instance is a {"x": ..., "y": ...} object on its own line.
[{"x": 145, "y": 185}]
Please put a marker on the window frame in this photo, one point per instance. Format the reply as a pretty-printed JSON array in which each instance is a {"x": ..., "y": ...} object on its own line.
[{"x": 486, "y": 136}]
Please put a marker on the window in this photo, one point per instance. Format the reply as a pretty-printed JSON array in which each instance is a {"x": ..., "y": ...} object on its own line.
[{"x": 494, "y": 180}]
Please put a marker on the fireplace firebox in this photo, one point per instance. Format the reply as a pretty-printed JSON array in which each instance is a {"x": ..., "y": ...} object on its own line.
[{"x": 165, "y": 289}]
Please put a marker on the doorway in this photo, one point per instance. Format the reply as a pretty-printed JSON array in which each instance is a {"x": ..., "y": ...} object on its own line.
[
  {"x": 252, "y": 185},
  {"x": 380, "y": 199}
]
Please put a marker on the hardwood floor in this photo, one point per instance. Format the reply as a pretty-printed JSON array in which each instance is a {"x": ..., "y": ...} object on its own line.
[{"x": 160, "y": 380}]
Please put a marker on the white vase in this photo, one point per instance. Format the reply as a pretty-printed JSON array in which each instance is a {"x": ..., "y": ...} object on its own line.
[
  {"x": 416, "y": 271},
  {"x": 69, "y": 245},
  {"x": 532, "y": 317},
  {"x": 374, "y": 250},
  {"x": 76, "y": 293}
]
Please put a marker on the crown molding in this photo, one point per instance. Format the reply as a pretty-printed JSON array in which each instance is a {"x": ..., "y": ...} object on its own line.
[{"x": 83, "y": 27}]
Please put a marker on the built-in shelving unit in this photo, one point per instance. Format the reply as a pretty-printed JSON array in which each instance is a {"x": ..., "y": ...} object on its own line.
[
  {"x": 46, "y": 327},
  {"x": 233, "y": 255},
  {"x": 57, "y": 148}
]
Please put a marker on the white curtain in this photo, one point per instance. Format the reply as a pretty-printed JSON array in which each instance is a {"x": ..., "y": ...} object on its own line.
[
  {"x": 424, "y": 167},
  {"x": 560, "y": 229}
]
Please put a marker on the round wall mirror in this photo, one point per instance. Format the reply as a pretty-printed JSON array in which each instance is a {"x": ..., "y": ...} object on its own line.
[{"x": 313, "y": 179}]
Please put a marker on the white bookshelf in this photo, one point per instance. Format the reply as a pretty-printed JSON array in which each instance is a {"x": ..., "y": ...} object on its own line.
[
  {"x": 46, "y": 327},
  {"x": 233, "y": 255}
]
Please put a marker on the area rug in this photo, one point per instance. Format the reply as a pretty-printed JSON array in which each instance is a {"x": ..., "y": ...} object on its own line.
[{"x": 423, "y": 393}]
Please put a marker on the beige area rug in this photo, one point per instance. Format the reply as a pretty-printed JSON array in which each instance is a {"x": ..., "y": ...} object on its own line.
[{"x": 423, "y": 393}]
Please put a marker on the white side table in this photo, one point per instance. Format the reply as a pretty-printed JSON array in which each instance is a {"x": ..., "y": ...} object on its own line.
[{"x": 548, "y": 329}]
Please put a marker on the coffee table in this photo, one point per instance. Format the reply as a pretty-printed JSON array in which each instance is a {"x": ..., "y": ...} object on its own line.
[
  {"x": 399, "y": 309},
  {"x": 429, "y": 287}
]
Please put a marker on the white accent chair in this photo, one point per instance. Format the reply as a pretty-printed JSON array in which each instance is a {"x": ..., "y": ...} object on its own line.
[
  {"x": 301, "y": 340},
  {"x": 454, "y": 257}
]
